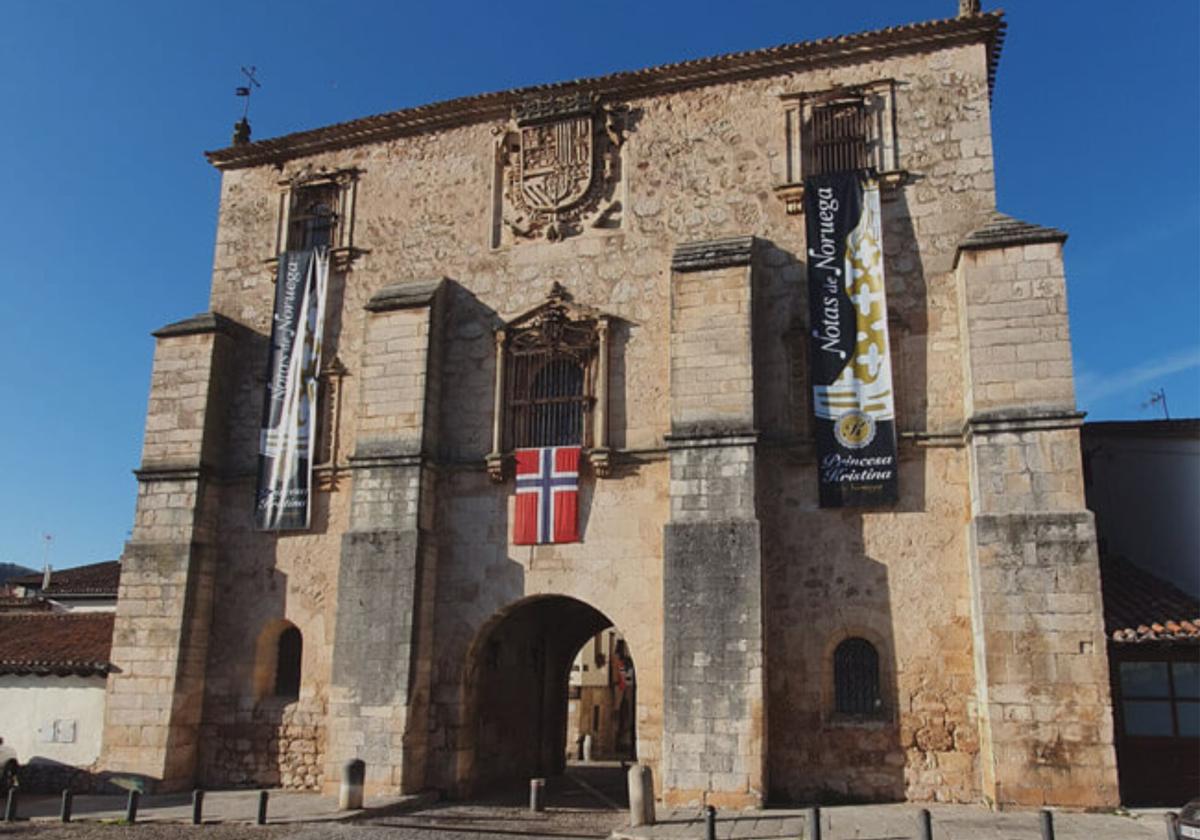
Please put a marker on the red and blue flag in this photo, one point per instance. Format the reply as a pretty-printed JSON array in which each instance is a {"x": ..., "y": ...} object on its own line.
[{"x": 547, "y": 507}]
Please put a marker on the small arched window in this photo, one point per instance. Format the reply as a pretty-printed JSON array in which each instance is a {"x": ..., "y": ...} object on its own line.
[
  {"x": 856, "y": 678},
  {"x": 287, "y": 663}
]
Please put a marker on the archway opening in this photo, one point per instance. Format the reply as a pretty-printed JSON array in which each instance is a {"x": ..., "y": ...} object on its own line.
[{"x": 527, "y": 712}]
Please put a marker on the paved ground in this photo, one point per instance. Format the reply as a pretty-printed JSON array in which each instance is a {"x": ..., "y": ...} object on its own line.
[
  {"x": 899, "y": 822},
  {"x": 588, "y": 802}
]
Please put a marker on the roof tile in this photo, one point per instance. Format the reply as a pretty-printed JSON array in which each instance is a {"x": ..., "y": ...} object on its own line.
[
  {"x": 1139, "y": 607},
  {"x": 55, "y": 643}
]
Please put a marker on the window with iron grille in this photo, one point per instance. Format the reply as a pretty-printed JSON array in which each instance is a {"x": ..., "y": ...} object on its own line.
[
  {"x": 312, "y": 218},
  {"x": 856, "y": 678},
  {"x": 550, "y": 382},
  {"x": 838, "y": 136}
]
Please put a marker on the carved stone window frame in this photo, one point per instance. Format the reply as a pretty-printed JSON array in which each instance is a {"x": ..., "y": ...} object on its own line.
[
  {"x": 328, "y": 467},
  {"x": 342, "y": 187},
  {"x": 558, "y": 309},
  {"x": 878, "y": 99}
]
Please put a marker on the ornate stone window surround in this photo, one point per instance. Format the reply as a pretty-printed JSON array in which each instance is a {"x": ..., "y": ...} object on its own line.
[
  {"x": 878, "y": 100},
  {"x": 340, "y": 187},
  {"x": 547, "y": 324}
]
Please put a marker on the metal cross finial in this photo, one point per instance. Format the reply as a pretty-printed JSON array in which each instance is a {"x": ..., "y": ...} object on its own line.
[{"x": 244, "y": 90}]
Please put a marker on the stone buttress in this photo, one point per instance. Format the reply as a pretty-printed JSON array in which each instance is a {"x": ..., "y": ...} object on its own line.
[
  {"x": 382, "y": 649},
  {"x": 160, "y": 635},
  {"x": 714, "y": 710},
  {"x": 1042, "y": 676}
]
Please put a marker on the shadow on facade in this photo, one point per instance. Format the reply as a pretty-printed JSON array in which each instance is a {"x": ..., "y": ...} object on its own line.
[
  {"x": 516, "y": 691},
  {"x": 824, "y": 591}
]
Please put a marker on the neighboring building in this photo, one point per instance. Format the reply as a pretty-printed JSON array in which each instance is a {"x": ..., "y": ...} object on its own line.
[
  {"x": 601, "y": 699},
  {"x": 1143, "y": 484},
  {"x": 1154, "y": 653},
  {"x": 91, "y": 588},
  {"x": 53, "y": 669},
  {"x": 946, "y": 646},
  {"x": 1142, "y": 479}
]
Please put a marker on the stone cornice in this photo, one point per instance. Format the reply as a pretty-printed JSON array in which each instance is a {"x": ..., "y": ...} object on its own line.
[
  {"x": 404, "y": 296},
  {"x": 200, "y": 324},
  {"x": 1036, "y": 418},
  {"x": 713, "y": 253},
  {"x": 985, "y": 28}
]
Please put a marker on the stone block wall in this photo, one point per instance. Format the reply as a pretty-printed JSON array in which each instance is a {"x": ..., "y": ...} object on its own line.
[
  {"x": 714, "y": 709},
  {"x": 161, "y": 632},
  {"x": 410, "y": 556},
  {"x": 1037, "y": 614}
]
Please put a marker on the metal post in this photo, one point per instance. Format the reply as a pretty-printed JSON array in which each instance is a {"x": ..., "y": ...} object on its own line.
[
  {"x": 924, "y": 824},
  {"x": 814, "y": 823},
  {"x": 197, "y": 806},
  {"x": 537, "y": 794},
  {"x": 1047, "y": 825},
  {"x": 1172, "y": 825},
  {"x": 710, "y": 823},
  {"x": 131, "y": 807},
  {"x": 10, "y": 806},
  {"x": 64, "y": 813},
  {"x": 262, "y": 807}
]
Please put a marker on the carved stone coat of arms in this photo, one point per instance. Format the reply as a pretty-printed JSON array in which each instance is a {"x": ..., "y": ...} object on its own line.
[{"x": 558, "y": 162}]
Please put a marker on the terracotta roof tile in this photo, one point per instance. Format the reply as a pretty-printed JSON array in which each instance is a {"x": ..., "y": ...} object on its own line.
[
  {"x": 93, "y": 579},
  {"x": 55, "y": 643},
  {"x": 1139, "y": 607},
  {"x": 987, "y": 27}
]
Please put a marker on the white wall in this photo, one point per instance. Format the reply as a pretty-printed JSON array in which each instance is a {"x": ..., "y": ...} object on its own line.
[{"x": 30, "y": 707}]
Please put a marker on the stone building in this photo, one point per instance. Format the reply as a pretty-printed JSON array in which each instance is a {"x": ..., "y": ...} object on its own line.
[{"x": 948, "y": 646}]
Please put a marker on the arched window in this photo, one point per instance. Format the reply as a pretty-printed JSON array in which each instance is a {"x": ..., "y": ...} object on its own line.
[
  {"x": 856, "y": 678},
  {"x": 287, "y": 663}
]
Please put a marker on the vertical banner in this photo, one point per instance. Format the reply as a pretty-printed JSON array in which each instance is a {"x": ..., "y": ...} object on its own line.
[
  {"x": 287, "y": 441},
  {"x": 850, "y": 358}
]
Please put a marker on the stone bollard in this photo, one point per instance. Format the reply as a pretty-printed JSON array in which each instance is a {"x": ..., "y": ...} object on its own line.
[
  {"x": 197, "y": 806},
  {"x": 350, "y": 794},
  {"x": 1047, "y": 825},
  {"x": 537, "y": 794},
  {"x": 131, "y": 806},
  {"x": 262, "y": 808},
  {"x": 64, "y": 812},
  {"x": 924, "y": 824},
  {"x": 641, "y": 796},
  {"x": 587, "y": 747},
  {"x": 814, "y": 823},
  {"x": 1172, "y": 825}
]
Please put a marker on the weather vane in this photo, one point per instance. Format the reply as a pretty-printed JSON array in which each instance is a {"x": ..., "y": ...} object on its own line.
[
  {"x": 245, "y": 90},
  {"x": 241, "y": 129}
]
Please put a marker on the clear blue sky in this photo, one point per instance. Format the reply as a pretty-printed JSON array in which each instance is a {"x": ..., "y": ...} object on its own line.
[{"x": 108, "y": 210}]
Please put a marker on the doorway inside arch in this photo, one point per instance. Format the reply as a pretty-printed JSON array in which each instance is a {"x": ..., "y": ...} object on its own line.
[{"x": 544, "y": 675}]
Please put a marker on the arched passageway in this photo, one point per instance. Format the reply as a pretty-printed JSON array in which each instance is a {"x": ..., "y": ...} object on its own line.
[{"x": 518, "y": 684}]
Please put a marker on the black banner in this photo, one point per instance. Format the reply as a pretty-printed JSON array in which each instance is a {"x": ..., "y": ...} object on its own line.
[
  {"x": 288, "y": 438},
  {"x": 849, "y": 357}
]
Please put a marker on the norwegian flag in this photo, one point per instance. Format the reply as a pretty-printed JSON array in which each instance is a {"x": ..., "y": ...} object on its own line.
[{"x": 547, "y": 509}]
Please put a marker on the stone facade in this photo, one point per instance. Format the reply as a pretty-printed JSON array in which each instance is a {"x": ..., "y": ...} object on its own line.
[{"x": 437, "y": 650}]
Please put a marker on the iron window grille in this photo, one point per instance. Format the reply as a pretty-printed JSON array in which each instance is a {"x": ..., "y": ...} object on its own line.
[
  {"x": 551, "y": 382},
  {"x": 856, "y": 679},
  {"x": 838, "y": 133}
]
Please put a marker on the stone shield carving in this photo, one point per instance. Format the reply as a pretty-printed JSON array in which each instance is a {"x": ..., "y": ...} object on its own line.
[
  {"x": 556, "y": 163},
  {"x": 558, "y": 160}
]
